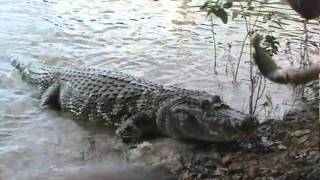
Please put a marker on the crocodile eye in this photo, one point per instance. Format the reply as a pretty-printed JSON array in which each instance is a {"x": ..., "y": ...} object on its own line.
[
  {"x": 205, "y": 104},
  {"x": 216, "y": 99}
]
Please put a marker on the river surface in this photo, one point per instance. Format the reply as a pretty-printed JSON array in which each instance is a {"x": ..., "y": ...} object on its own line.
[{"x": 166, "y": 41}]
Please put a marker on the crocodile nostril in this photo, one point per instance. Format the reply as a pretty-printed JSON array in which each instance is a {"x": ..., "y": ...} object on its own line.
[
  {"x": 216, "y": 99},
  {"x": 249, "y": 124}
]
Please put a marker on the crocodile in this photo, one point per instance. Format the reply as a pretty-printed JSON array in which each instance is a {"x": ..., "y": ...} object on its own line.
[{"x": 136, "y": 107}]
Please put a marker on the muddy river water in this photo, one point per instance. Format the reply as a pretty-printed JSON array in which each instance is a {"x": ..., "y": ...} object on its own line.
[{"x": 166, "y": 41}]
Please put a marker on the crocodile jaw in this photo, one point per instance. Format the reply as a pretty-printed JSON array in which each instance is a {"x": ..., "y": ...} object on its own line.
[{"x": 221, "y": 124}]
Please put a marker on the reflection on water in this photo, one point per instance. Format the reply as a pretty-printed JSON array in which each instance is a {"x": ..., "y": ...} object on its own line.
[{"x": 167, "y": 42}]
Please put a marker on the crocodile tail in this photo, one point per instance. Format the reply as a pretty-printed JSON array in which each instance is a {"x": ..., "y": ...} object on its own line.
[
  {"x": 35, "y": 73},
  {"x": 266, "y": 64},
  {"x": 21, "y": 66}
]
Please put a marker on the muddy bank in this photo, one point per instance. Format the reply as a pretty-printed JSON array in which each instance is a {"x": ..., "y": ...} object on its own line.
[{"x": 283, "y": 149}]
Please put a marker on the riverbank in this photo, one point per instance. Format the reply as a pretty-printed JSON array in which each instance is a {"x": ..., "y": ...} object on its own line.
[{"x": 283, "y": 149}]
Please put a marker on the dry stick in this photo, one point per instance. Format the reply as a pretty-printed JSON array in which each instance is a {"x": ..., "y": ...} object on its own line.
[
  {"x": 252, "y": 83},
  {"x": 306, "y": 41},
  {"x": 252, "y": 80},
  {"x": 255, "y": 85},
  {"x": 214, "y": 43},
  {"x": 261, "y": 90},
  {"x": 241, "y": 52},
  {"x": 243, "y": 44},
  {"x": 259, "y": 93},
  {"x": 252, "y": 107},
  {"x": 304, "y": 54},
  {"x": 319, "y": 89},
  {"x": 264, "y": 87},
  {"x": 297, "y": 89}
]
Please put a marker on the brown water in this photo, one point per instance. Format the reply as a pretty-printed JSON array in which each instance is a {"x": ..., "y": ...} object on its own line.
[{"x": 166, "y": 41}]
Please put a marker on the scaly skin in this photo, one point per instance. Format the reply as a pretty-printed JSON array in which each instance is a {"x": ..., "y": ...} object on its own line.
[{"x": 137, "y": 107}]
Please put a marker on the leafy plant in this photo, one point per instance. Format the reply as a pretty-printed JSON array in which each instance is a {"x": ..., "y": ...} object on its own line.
[
  {"x": 218, "y": 9},
  {"x": 271, "y": 45}
]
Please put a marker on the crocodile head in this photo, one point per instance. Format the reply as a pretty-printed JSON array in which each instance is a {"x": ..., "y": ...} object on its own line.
[{"x": 204, "y": 117}]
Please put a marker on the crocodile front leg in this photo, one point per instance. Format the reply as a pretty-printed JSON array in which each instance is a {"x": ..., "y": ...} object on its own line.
[{"x": 136, "y": 127}]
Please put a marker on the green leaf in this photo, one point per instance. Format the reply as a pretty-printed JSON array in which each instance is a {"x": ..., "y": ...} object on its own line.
[
  {"x": 220, "y": 13},
  {"x": 271, "y": 45},
  {"x": 204, "y": 6}
]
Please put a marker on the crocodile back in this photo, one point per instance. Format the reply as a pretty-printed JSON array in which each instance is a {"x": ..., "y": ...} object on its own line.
[{"x": 106, "y": 96}]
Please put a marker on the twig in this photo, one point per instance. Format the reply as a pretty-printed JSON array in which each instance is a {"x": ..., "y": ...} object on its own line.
[
  {"x": 241, "y": 52},
  {"x": 214, "y": 43}
]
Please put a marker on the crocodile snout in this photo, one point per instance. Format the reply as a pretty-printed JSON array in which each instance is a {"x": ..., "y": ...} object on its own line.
[{"x": 249, "y": 125}]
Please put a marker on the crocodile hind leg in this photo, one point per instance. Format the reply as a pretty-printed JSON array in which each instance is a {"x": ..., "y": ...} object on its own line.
[
  {"x": 50, "y": 97},
  {"x": 136, "y": 127}
]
